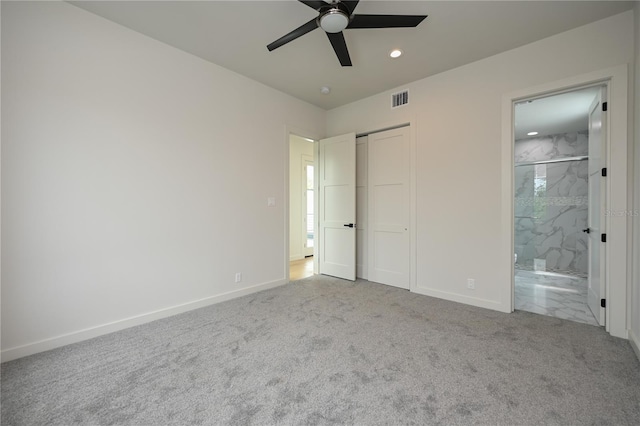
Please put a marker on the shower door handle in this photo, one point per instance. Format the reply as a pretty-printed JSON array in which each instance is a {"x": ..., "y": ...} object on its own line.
[{"x": 587, "y": 230}]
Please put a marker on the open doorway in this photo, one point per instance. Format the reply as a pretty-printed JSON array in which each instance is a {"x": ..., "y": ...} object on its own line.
[
  {"x": 308, "y": 203},
  {"x": 301, "y": 207},
  {"x": 558, "y": 199}
]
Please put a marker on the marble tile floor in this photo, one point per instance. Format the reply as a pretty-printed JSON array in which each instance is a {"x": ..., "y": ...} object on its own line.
[
  {"x": 552, "y": 294},
  {"x": 528, "y": 266}
]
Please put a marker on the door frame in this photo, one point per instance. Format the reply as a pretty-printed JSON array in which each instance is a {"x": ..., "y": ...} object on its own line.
[
  {"x": 307, "y": 134},
  {"x": 617, "y": 257}
]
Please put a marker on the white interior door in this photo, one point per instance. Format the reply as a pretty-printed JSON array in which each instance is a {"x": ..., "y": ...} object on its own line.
[
  {"x": 595, "y": 228},
  {"x": 337, "y": 206},
  {"x": 389, "y": 207}
]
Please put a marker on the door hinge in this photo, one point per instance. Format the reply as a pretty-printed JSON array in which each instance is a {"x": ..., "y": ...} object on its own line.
[
  {"x": 603, "y": 238},
  {"x": 604, "y": 171},
  {"x": 603, "y": 303},
  {"x": 605, "y": 106}
]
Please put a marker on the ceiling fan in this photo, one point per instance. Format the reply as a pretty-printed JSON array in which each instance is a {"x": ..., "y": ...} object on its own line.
[{"x": 337, "y": 16}]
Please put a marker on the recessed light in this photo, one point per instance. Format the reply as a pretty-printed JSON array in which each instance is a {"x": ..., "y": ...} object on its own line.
[
  {"x": 532, "y": 133},
  {"x": 325, "y": 90},
  {"x": 396, "y": 53}
]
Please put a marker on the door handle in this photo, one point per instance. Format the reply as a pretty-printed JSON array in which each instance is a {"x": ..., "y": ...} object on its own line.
[
  {"x": 349, "y": 225},
  {"x": 587, "y": 230}
]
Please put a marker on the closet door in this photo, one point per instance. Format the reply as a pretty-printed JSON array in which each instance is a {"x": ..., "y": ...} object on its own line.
[
  {"x": 362, "y": 269},
  {"x": 389, "y": 207}
]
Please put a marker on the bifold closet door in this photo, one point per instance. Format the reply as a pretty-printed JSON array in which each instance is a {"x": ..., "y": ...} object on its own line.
[{"x": 389, "y": 207}]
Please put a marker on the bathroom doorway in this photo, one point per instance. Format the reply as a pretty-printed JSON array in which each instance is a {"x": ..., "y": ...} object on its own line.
[{"x": 556, "y": 206}]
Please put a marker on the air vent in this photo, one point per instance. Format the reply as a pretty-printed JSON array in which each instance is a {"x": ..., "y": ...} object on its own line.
[{"x": 399, "y": 99}]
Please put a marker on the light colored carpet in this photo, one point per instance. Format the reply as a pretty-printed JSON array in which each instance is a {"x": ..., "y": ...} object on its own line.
[{"x": 326, "y": 351}]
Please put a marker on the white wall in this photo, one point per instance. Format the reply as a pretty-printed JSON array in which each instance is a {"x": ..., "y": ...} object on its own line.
[
  {"x": 635, "y": 302},
  {"x": 299, "y": 149},
  {"x": 459, "y": 166},
  {"x": 135, "y": 178}
]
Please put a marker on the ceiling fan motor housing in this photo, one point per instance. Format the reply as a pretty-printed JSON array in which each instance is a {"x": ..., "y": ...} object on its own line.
[{"x": 334, "y": 17}]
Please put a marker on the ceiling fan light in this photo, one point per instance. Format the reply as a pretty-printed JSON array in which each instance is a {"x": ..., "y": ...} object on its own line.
[{"x": 334, "y": 21}]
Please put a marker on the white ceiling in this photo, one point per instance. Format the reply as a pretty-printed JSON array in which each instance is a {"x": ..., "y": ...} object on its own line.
[
  {"x": 234, "y": 34},
  {"x": 552, "y": 115}
]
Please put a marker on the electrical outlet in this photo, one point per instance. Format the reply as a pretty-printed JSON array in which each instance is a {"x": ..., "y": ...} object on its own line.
[
  {"x": 238, "y": 277},
  {"x": 471, "y": 284}
]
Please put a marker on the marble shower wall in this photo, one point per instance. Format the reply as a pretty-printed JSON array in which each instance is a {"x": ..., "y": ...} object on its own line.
[{"x": 551, "y": 203}]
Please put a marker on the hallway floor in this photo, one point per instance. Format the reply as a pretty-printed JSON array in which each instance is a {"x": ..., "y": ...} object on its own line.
[
  {"x": 299, "y": 269},
  {"x": 555, "y": 295}
]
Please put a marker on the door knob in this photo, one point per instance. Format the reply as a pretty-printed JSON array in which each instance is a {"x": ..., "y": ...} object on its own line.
[
  {"x": 349, "y": 225},
  {"x": 587, "y": 230}
]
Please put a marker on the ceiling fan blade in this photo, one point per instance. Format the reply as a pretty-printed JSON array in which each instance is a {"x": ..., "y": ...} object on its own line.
[
  {"x": 298, "y": 32},
  {"x": 351, "y": 5},
  {"x": 314, "y": 4},
  {"x": 385, "y": 21},
  {"x": 340, "y": 47}
]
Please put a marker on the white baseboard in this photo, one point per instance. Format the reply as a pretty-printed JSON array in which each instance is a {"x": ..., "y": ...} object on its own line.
[
  {"x": 635, "y": 343},
  {"x": 295, "y": 257},
  {"x": 454, "y": 297},
  {"x": 89, "y": 333}
]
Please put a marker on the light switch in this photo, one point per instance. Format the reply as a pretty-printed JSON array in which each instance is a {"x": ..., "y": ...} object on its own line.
[{"x": 271, "y": 202}]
